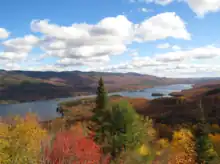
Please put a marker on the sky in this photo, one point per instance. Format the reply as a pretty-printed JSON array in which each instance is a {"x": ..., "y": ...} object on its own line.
[{"x": 166, "y": 38}]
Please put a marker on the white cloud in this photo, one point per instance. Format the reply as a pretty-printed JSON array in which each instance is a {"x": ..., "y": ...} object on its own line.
[
  {"x": 11, "y": 66},
  {"x": 144, "y": 10},
  {"x": 167, "y": 45},
  {"x": 160, "y": 2},
  {"x": 173, "y": 64},
  {"x": 136, "y": 64},
  {"x": 110, "y": 36},
  {"x": 202, "y": 7},
  {"x": 4, "y": 33},
  {"x": 13, "y": 56},
  {"x": 20, "y": 45},
  {"x": 163, "y": 46},
  {"x": 87, "y": 61},
  {"x": 176, "y": 48},
  {"x": 162, "y": 26},
  {"x": 134, "y": 54},
  {"x": 15, "y": 51},
  {"x": 18, "y": 48},
  {"x": 206, "y": 52}
]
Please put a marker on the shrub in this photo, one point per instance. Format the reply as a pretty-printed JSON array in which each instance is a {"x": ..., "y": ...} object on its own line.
[{"x": 72, "y": 147}]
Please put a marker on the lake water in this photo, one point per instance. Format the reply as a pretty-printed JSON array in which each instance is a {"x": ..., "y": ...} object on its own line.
[{"x": 46, "y": 110}]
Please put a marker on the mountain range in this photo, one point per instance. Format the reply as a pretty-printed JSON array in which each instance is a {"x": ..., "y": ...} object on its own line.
[{"x": 23, "y": 86}]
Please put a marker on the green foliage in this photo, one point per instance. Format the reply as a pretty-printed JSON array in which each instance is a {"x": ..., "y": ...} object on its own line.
[
  {"x": 122, "y": 129},
  {"x": 102, "y": 98},
  {"x": 205, "y": 150}
]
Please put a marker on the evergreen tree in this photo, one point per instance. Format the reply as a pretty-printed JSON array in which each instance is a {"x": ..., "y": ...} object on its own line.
[
  {"x": 100, "y": 112},
  {"x": 101, "y": 98},
  {"x": 204, "y": 147},
  {"x": 122, "y": 129}
]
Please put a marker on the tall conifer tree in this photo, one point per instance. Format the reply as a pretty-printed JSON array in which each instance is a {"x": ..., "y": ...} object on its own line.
[{"x": 101, "y": 98}]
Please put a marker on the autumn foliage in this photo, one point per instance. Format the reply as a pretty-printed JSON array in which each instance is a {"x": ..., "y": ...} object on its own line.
[
  {"x": 20, "y": 140},
  {"x": 73, "y": 147}
]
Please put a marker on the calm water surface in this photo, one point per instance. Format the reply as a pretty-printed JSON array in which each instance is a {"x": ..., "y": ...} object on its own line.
[{"x": 46, "y": 110}]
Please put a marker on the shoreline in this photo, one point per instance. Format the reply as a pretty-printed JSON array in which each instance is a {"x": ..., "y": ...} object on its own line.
[{"x": 84, "y": 95}]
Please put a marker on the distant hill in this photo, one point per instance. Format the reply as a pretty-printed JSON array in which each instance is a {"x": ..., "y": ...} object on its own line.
[{"x": 36, "y": 85}]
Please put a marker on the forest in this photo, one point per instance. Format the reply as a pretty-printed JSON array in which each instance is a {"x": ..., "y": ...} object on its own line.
[{"x": 109, "y": 130}]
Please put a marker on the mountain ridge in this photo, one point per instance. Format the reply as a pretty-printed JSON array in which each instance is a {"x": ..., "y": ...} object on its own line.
[{"x": 23, "y": 86}]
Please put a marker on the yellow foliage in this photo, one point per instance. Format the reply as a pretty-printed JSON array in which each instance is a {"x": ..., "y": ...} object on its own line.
[
  {"x": 3, "y": 142},
  {"x": 21, "y": 141},
  {"x": 143, "y": 150},
  {"x": 183, "y": 148},
  {"x": 163, "y": 143}
]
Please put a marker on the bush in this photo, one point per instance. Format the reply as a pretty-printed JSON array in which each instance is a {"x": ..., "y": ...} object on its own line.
[{"x": 72, "y": 147}]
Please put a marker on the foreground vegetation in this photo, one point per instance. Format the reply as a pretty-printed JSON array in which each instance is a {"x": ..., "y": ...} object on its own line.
[{"x": 108, "y": 131}]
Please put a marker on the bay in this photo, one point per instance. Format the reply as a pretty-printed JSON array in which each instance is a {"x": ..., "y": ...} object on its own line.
[{"x": 47, "y": 109}]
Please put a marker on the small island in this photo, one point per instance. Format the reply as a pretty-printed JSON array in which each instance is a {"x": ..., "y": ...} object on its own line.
[{"x": 157, "y": 94}]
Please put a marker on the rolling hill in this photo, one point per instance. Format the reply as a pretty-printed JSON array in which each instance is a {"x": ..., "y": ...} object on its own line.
[{"x": 34, "y": 85}]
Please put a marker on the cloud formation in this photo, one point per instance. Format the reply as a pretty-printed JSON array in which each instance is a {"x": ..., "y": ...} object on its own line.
[
  {"x": 172, "y": 64},
  {"x": 162, "y": 26},
  {"x": 91, "y": 46},
  {"x": 167, "y": 45},
  {"x": 4, "y": 33},
  {"x": 18, "y": 48},
  {"x": 206, "y": 52},
  {"x": 87, "y": 43},
  {"x": 160, "y": 2},
  {"x": 200, "y": 7},
  {"x": 163, "y": 46}
]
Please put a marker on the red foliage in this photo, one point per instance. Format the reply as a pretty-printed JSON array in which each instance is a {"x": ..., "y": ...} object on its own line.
[{"x": 74, "y": 148}]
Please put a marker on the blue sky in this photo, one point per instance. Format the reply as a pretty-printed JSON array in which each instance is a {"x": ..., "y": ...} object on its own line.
[{"x": 172, "y": 38}]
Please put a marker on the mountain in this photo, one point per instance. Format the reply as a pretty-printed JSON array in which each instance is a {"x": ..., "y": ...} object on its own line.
[{"x": 35, "y": 85}]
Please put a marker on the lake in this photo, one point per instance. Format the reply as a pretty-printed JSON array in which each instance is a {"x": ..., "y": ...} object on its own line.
[{"x": 46, "y": 109}]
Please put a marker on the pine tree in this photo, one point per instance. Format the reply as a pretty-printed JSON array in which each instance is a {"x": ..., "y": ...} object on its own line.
[
  {"x": 204, "y": 147},
  {"x": 101, "y": 98},
  {"x": 100, "y": 111}
]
